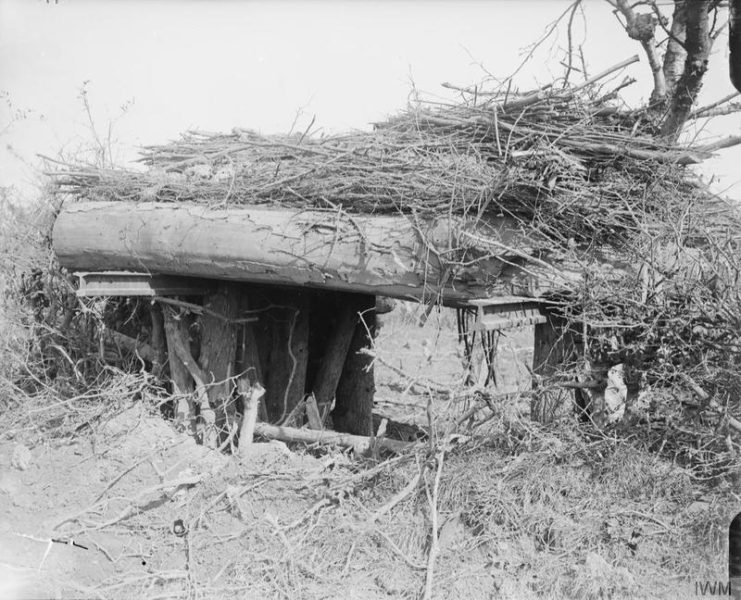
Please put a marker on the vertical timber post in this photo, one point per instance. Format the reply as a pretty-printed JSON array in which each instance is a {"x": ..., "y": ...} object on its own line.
[
  {"x": 340, "y": 335},
  {"x": 249, "y": 360},
  {"x": 553, "y": 348},
  {"x": 286, "y": 377},
  {"x": 183, "y": 386},
  {"x": 353, "y": 411},
  {"x": 158, "y": 341},
  {"x": 218, "y": 353}
]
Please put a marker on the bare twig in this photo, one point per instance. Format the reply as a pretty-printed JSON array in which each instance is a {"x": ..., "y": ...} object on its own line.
[
  {"x": 706, "y": 111},
  {"x": 432, "y": 499},
  {"x": 408, "y": 489}
]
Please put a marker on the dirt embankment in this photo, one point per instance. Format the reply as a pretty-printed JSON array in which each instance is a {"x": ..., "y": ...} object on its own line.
[{"x": 136, "y": 509}]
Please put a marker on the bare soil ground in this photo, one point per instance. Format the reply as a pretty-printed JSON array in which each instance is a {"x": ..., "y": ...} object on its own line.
[{"x": 522, "y": 511}]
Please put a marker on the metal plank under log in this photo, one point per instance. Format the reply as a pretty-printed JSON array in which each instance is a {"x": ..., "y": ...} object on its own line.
[
  {"x": 127, "y": 283},
  {"x": 494, "y": 314},
  {"x": 484, "y": 319}
]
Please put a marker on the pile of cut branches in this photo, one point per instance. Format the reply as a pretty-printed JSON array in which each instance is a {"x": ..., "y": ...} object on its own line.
[{"x": 568, "y": 164}]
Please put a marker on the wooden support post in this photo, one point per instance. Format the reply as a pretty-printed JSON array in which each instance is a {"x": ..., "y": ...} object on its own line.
[
  {"x": 353, "y": 411},
  {"x": 289, "y": 353},
  {"x": 553, "y": 350},
  {"x": 249, "y": 359},
  {"x": 342, "y": 328},
  {"x": 176, "y": 332},
  {"x": 218, "y": 353},
  {"x": 157, "y": 340}
]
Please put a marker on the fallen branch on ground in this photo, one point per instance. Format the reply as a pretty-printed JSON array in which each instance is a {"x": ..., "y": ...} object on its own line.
[
  {"x": 359, "y": 443},
  {"x": 137, "y": 504}
]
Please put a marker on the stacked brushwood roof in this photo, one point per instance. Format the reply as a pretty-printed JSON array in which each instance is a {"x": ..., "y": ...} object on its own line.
[{"x": 567, "y": 164}]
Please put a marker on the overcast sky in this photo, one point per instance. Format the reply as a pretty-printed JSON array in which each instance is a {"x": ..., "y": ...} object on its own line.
[{"x": 157, "y": 68}]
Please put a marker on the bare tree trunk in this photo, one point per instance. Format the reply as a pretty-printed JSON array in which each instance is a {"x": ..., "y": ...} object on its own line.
[
  {"x": 734, "y": 43},
  {"x": 675, "y": 54},
  {"x": 698, "y": 44}
]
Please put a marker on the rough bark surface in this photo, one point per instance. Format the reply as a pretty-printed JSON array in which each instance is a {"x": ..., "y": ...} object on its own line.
[
  {"x": 183, "y": 383},
  {"x": 698, "y": 44},
  {"x": 675, "y": 54},
  {"x": 380, "y": 255},
  {"x": 218, "y": 352}
]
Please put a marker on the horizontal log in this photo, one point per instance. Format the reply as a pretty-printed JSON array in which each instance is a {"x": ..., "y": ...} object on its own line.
[
  {"x": 394, "y": 256},
  {"x": 359, "y": 443}
]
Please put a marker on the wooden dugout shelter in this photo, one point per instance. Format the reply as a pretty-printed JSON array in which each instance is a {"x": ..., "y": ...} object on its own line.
[
  {"x": 288, "y": 296},
  {"x": 282, "y": 243}
]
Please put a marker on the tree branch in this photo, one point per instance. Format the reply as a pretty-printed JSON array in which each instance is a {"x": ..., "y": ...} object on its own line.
[
  {"x": 713, "y": 110},
  {"x": 641, "y": 27},
  {"x": 569, "y": 33},
  {"x": 726, "y": 142}
]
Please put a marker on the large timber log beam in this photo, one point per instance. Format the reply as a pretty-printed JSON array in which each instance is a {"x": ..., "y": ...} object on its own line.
[{"x": 395, "y": 256}]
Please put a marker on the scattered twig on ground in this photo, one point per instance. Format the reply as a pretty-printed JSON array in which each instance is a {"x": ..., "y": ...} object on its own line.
[
  {"x": 432, "y": 500},
  {"x": 409, "y": 489}
]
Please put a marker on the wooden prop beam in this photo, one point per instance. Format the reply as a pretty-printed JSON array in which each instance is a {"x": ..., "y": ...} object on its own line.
[
  {"x": 186, "y": 377},
  {"x": 336, "y": 350},
  {"x": 249, "y": 361},
  {"x": 218, "y": 353},
  {"x": 356, "y": 387}
]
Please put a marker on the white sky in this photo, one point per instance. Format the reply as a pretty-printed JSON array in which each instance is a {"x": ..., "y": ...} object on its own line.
[{"x": 213, "y": 65}]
